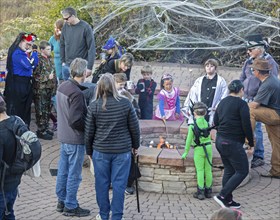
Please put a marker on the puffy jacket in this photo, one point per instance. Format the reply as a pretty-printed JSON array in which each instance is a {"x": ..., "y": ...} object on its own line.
[{"x": 115, "y": 130}]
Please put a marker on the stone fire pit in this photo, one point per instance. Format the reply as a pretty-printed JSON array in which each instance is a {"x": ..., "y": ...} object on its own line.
[{"x": 163, "y": 170}]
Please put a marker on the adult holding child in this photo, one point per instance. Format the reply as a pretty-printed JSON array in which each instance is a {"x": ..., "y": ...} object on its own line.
[
  {"x": 20, "y": 66},
  {"x": 232, "y": 118},
  {"x": 112, "y": 131},
  {"x": 76, "y": 41}
]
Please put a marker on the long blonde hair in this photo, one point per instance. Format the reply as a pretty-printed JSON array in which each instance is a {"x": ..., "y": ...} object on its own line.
[{"x": 105, "y": 87}]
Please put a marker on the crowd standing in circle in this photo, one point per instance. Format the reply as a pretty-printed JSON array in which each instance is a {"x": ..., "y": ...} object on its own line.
[{"x": 82, "y": 130}]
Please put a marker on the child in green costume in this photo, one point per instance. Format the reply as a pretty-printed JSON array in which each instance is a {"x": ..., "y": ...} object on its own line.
[{"x": 202, "y": 165}]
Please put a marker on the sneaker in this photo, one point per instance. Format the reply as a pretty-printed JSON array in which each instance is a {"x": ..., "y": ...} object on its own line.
[
  {"x": 49, "y": 132},
  {"x": 199, "y": 194},
  {"x": 60, "y": 206},
  {"x": 257, "y": 163},
  {"x": 98, "y": 217},
  {"x": 268, "y": 174},
  {"x": 208, "y": 193},
  {"x": 234, "y": 205},
  {"x": 222, "y": 202},
  {"x": 129, "y": 190},
  {"x": 79, "y": 212},
  {"x": 44, "y": 135}
]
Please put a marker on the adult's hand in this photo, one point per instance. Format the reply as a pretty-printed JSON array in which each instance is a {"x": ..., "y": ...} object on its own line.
[
  {"x": 134, "y": 151},
  {"x": 250, "y": 151},
  {"x": 88, "y": 73}
]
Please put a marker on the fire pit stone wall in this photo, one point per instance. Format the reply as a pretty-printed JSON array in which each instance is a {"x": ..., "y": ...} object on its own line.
[{"x": 163, "y": 170}]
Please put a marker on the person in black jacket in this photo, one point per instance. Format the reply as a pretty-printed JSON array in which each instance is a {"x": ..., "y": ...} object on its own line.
[
  {"x": 122, "y": 65},
  {"x": 111, "y": 132},
  {"x": 232, "y": 118},
  {"x": 9, "y": 182}
]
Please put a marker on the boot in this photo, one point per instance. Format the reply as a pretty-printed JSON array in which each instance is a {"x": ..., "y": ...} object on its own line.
[
  {"x": 208, "y": 192},
  {"x": 199, "y": 194},
  {"x": 44, "y": 135}
]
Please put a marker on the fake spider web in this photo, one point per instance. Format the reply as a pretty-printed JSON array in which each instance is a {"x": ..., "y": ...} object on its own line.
[{"x": 182, "y": 25}]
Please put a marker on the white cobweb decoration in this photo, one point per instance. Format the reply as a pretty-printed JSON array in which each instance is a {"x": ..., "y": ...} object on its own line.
[{"x": 182, "y": 25}]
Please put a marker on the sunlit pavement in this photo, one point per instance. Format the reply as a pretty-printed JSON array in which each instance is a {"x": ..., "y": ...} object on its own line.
[{"x": 260, "y": 198}]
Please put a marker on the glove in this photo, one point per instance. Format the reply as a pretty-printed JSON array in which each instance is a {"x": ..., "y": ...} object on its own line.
[{"x": 184, "y": 155}]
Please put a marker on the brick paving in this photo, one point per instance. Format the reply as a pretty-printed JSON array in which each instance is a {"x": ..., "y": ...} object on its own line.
[{"x": 260, "y": 198}]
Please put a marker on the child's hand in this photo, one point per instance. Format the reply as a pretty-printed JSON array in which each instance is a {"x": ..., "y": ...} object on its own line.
[
  {"x": 164, "y": 119},
  {"x": 51, "y": 76},
  {"x": 184, "y": 156},
  {"x": 177, "y": 115}
]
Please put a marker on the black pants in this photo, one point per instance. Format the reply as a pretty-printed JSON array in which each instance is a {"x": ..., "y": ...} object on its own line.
[
  {"x": 236, "y": 166},
  {"x": 19, "y": 98}
]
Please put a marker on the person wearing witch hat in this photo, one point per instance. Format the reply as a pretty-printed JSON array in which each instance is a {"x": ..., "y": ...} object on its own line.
[
  {"x": 256, "y": 48},
  {"x": 20, "y": 66},
  {"x": 265, "y": 108}
]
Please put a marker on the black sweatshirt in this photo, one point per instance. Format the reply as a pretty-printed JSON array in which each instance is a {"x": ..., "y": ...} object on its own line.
[
  {"x": 8, "y": 152},
  {"x": 232, "y": 117}
]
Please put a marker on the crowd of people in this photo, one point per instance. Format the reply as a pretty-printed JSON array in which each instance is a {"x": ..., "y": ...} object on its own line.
[{"x": 100, "y": 119}]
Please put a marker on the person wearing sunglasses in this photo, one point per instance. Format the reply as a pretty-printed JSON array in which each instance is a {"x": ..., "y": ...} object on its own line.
[
  {"x": 76, "y": 40},
  {"x": 256, "y": 48}
]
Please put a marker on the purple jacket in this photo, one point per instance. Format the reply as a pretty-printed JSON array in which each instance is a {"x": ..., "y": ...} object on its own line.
[{"x": 250, "y": 82}]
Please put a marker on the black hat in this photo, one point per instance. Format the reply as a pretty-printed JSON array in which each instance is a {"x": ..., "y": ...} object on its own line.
[{"x": 255, "y": 40}]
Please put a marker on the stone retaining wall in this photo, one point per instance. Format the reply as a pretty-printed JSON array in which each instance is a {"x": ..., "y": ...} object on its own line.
[{"x": 163, "y": 170}]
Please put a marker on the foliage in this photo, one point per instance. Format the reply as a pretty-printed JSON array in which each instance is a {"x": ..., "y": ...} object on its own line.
[{"x": 38, "y": 16}]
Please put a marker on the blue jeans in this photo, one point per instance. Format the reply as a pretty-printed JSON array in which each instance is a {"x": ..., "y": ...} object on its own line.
[
  {"x": 10, "y": 200},
  {"x": 69, "y": 174},
  {"x": 236, "y": 165},
  {"x": 65, "y": 72},
  {"x": 259, "y": 148},
  {"x": 54, "y": 102},
  {"x": 111, "y": 168}
]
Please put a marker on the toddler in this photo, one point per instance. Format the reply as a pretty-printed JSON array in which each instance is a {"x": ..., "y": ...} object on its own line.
[
  {"x": 202, "y": 146},
  {"x": 169, "y": 101},
  {"x": 146, "y": 89}
]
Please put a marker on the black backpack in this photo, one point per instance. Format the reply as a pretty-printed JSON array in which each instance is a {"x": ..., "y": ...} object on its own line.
[
  {"x": 198, "y": 132},
  {"x": 203, "y": 132},
  {"x": 97, "y": 72},
  {"x": 28, "y": 149}
]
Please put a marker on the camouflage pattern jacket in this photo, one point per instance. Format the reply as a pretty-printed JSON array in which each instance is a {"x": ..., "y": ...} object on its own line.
[{"x": 41, "y": 74}]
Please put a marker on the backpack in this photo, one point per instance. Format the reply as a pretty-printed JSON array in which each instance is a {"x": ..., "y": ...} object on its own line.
[
  {"x": 204, "y": 132},
  {"x": 198, "y": 132},
  {"x": 28, "y": 149},
  {"x": 97, "y": 72}
]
